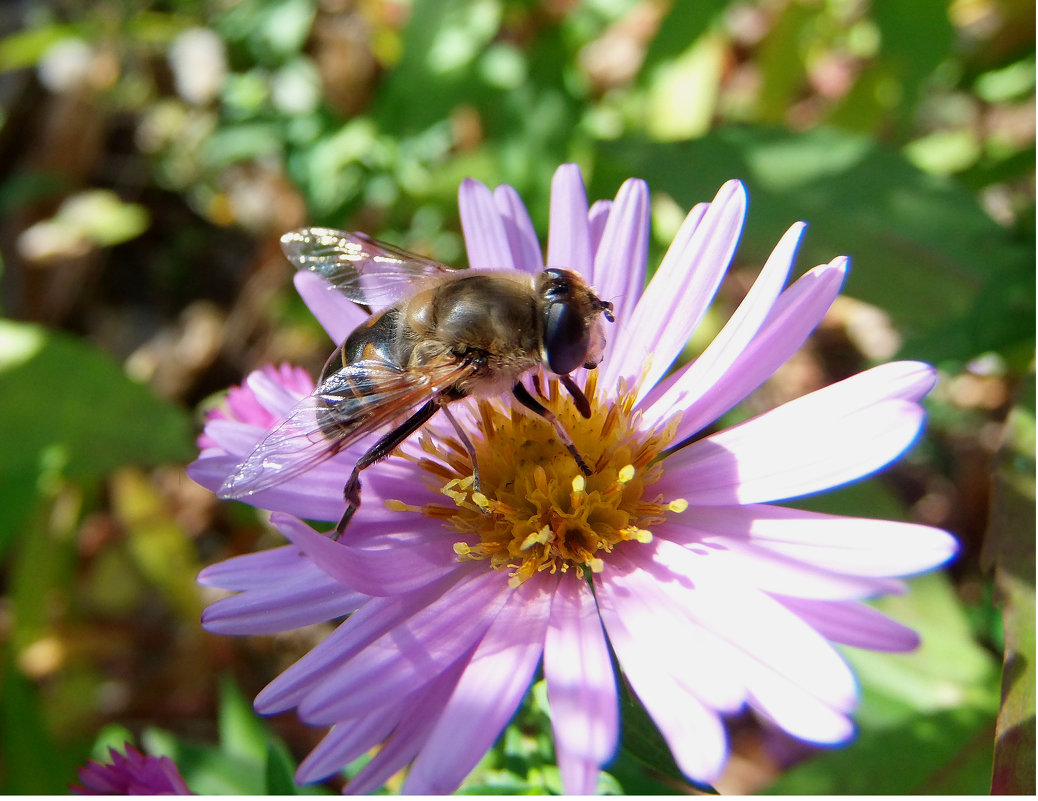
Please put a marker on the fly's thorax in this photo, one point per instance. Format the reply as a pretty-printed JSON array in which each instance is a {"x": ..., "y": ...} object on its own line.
[{"x": 491, "y": 315}]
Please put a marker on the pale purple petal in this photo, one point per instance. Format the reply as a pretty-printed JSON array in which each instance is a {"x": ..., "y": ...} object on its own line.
[
  {"x": 711, "y": 365},
  {"x": 347, "y": 742},
  {"x": 746, "y": 562},
  {"x": 581, "y": 687},
  {"x": 796, "y": 313},
  {"x": 693, "y": 732},
  {"x": 257, "y": 569},
  {"x": 851, "y": 623},
  {"x": 597, "y": 217},
  {"x": 380, "y": 567},
  {"x": 796, "y": 709},
  {"x": 486, "y": 240},
  {"x": 423, "y": 710},
  {"x": 283, "y": 606},
  {"x": 569, "y": 243},
  {"x": 675, "y": 642},
  {"x": 522, "y": 238},
  {"x": 269, "y": 391},
  {"x": 852, "y": 545},
  {"x": 764, "y": 633},
  {"x": 336, "y": 313},
  {"x": 783, "y": 455},
  {"x": 371, "y": 622},
  {"x": 623, "y": 254},
  {"x": 488, "y": 692},
  {"x": 659, "y": 326},
  {"x": 415, "y": 651}
]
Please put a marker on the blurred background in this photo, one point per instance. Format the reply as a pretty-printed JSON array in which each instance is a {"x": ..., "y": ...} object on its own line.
[{"x": 151, "y": 154}]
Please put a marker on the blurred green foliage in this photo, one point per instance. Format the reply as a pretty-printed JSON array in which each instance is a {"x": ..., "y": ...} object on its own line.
[{"x": 152, "y": 152}]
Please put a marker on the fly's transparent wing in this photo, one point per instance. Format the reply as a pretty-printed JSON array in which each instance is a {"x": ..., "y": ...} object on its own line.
[
  {"x": 347, "y": 405},
  {"x": 363, "y": 269}
]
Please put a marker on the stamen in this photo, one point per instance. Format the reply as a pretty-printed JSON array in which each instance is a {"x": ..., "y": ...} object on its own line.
[{"x": 536, "y": 510}]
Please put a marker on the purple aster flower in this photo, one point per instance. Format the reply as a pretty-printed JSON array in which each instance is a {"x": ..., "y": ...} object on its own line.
[
  {"x": 131, "y": 773},
  {"x": 671, "y": 552}
]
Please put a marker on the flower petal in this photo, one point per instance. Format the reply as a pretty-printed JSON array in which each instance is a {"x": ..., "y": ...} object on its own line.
[
  {"x": 522, "y": 238},
  {"x": 344, "y": 743},
  {"x": 673, "y": 304},
  {"x": 333, "y": 310},
  {"x": 796, "y": 710},
  {"x": 855, "y": 546},
  {"x": 623, "y": 254},
  {"x": 597, "y": 217},
  {"x": 711, "y": 365},
  {"x": 257, "y": 569},
  {"x": 581, "y": 687},
  {"x": 423, "y": 710},
  {"x": 693, "y": 732},
  {"x": 283, "y": 606},
  {"x": 673, "y": 641},
  {"x": 317, "y": 494},
  {"x": 374, "y": 568},
  {"x": 412, "y": 653},
  {"x": 818, "y": 441},
  {"x": 488, "y": 692},
  {"x": 765, "y": 634},
  {"x": 745, "y": 562},
  {"x": 569, "y": 244},
  {"x": 486, "y": 240},
  {"x": 369, "y": 623},
  {"x": 852, "y": 623},
  {"x": 797, "y": 312}
]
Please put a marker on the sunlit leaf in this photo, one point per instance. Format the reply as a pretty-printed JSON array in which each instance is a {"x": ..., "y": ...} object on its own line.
[{"x": 1009, "y": 548}]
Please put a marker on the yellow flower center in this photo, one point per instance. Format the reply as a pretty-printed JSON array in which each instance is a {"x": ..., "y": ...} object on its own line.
[{"x": 537, "y": 511}]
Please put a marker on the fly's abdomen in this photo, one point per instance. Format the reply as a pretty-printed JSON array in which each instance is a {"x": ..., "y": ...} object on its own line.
[{"x": 348, "y": 391}]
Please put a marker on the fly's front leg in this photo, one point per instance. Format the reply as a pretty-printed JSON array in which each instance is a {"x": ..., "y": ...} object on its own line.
[
  {"x": 380, "y": 450},
  {"x": 477, "y": 484},
  {"x": 522, "y": 394}
]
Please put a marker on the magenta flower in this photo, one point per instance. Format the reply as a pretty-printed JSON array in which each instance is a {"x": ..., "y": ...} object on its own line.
[
  {"x": 671, "y": 552},
  {"x": 131, "y": 773}
]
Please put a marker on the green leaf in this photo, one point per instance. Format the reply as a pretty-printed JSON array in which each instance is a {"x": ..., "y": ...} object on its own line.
[
  {"x": 59, "y": 393},
  {"x": 242, "y": 734},
  {"x": 280, "y": 770},
  {"x": 33, "y": 761},
  {"x": 206, "y": 769},
  {"x": 915, "y": 38},
  {"x": 921, "y": 248},
  {"x": 1009, "y": 547},
  {"x": 68, "y": 410}
]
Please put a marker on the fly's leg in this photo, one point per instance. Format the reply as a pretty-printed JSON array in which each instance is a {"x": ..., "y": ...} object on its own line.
[
  {"x": 380, "y": 450},
  {"x": 522, "y": 394},
  {"x": 579, "y": 398},
  {"x": 470, "y": 449}
]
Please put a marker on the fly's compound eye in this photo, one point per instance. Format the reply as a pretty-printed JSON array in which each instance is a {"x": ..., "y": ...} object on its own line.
[{"x": 565, "y": 338}]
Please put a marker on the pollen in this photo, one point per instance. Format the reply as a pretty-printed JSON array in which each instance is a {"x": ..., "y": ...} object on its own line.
[{"x": 534, "y": 510}]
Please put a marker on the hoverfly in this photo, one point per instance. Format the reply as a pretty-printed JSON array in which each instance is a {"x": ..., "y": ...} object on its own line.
[{"x": 439, "y": 335}]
